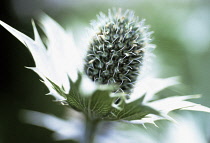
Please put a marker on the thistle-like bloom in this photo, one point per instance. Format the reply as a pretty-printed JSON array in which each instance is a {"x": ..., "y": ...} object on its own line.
[
  {"x": 116, "y": 51},
  {"x": 108, "y": 84}
]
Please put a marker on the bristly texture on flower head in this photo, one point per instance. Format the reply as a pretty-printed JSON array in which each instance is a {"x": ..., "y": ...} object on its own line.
[{"x": 116, "y": 51}]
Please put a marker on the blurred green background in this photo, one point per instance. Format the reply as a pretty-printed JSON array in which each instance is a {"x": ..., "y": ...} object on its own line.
[{"x": 182, "y": 36}]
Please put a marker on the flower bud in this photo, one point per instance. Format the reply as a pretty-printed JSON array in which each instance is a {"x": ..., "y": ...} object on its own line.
[{"x": 116, "y": 51}]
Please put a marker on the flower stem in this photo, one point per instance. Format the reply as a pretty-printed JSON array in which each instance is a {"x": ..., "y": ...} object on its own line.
[{"x": 90, "y": 130}]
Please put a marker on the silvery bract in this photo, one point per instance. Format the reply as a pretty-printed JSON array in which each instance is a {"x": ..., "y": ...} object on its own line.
[
  {"x": 187, "y": 128},
  {"x": 108, "y": 83}
]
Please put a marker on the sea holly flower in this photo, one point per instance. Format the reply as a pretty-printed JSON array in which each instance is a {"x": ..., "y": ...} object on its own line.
[{"x": 108, "y": 83}]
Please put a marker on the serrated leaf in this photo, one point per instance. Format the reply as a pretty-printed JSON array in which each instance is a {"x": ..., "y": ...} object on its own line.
[
  {"x": 95, "y": 106},
  {"x": 57, "y": 88},
  {"x": 98, "y": 105},
  {"x": 36, "y": 48},
  {"x": 169, "y": 104},
  {"x": 75, "y": 100},
  {"x": 131, "y": 111}
]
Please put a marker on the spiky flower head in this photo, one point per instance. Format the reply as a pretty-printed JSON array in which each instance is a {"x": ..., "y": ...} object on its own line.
[{"x": 116, "y": 50}]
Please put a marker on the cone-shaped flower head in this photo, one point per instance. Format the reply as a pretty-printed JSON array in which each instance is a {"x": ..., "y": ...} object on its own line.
[{"x": 116, "y": 52}]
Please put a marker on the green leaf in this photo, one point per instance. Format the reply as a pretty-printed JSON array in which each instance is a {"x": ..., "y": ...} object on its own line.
[
  {"x": 96, "y": 106},
  {"x": 100, "y": 103},
  {"x": 57, "y": 88},
  {"x": 131, "y": 111},
  {"x": 75, "y": 100}
]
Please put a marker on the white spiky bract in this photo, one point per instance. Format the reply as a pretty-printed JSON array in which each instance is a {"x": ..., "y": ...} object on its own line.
[
  {"x": 56, "y": 62},
  {"x": 61, "y": 61}
]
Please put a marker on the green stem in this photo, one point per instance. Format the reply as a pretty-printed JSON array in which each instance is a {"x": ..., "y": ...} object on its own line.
[{"x": 90, "y": 130}]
